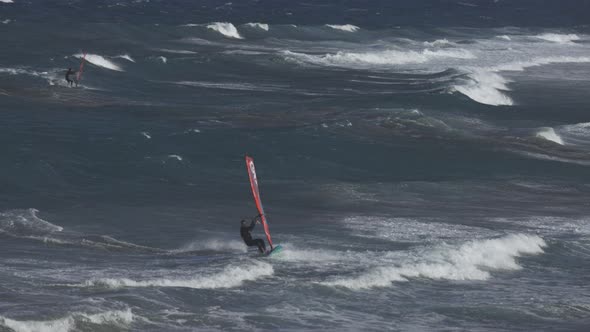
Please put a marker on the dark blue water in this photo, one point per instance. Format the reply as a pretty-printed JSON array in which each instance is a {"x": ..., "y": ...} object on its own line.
[{"x": 424, "y": 164}]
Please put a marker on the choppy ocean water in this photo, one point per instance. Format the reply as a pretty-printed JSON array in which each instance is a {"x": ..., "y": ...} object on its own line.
[{"x": 424, "y": 164}]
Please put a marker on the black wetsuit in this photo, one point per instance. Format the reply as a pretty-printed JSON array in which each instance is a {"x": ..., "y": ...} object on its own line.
[
  {"x": 68, "y": 79},
  {"x": 247, "y": 237}
]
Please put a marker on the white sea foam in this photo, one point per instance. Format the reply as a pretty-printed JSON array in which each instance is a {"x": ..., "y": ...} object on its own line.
[
  {"x": 558, "y": 38},
  {"x": 438, "y": 42},
  {"x": 486, "y": 88},
  {"x": 471, "y": 261},
  {"x": 549, "y": 134},
  {"x": 505, "y": 37},
  {"x": 231, "y": 276},
  {"x": 163, "y": 59},
  {"x": 261, "y": 26},
  {"x": 126, "y": 57},
  {"x": 539, "y": 61},
  {"x": 116, "y": 318},
  {"x": 378, "y": 58},
  {"x": 99, "y": 60},
  {"x": 344, "y": 27},
  {"x": 7, "y": 1},
  {"x": 175, "y": 156},
  {"x": 226, "y": 29},
  {"x": 146, "y": 135},
  {"x": 6, "y": 21}
]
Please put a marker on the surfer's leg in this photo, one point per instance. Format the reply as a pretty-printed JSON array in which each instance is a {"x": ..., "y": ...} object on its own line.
[{"x": 261, "y": 245}]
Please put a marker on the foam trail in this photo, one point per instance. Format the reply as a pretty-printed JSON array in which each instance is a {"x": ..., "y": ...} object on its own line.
[
  {"x": 7, "y": 1},
  {"x": 471, "y": 261},
  {"x": 549, "y": 134},
  {"x": 344, "y": 27},
  {"x": 231, "y": 276},
  {"x": 261, "y": 26},
  {"x": 100, "y": 61},
  {"x": 558, "y": 38},
  {"x": 226, "y": 29},
  {"x": 119, "y": 318}
]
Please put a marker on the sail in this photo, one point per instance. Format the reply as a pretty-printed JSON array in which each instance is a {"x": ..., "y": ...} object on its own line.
[
  {"x": 79, "y": 75},
  {"x": 256, "y": 193}
]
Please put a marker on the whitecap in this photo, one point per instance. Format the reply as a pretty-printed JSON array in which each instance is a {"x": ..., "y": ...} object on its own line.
[
  {"x": 100, "y": 61},
  {"x": 344, "y": 27},
  {"x": 119, "y": 318},
  {"x": 558, "y": 38},
  {"x": 471, "y": 261},
  {"x": 549, "y": 134},
  {"x": 261, "y": 26},
  {"x": 226, "y": 29}
]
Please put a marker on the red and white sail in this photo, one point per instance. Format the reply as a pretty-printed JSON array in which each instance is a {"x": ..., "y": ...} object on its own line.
[{"x": 256, "y": 193}]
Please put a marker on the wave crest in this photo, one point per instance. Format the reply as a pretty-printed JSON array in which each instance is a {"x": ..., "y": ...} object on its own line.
[
  {"x": 72, "y": 322},
  {"x": 470, "y": 261},
  {"x": 226, "y": 29}
]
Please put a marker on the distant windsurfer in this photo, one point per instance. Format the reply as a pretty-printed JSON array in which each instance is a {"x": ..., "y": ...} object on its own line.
[
  {"x": 247, "y": 237},
  {"x": 70, "y": 81}
]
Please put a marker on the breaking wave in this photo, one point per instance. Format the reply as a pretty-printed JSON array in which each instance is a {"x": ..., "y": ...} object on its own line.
[
  {"x": 231, "y": 276},
  {"x": 471, "y": 261},
  {"x": 377, "y": 58},
  {"x": 549, "y": 134},
  {"x": 25, "y": 222},
  {"x": 73, "y": 322},
  {"x": 486, "y": 88},
  {"x": 558, "y": 38},
  {"x": 226, "y": 29},
  {"x": 344, "y": 27},
  {"x": 261, "y": 26},
  {"x": 126, "y": 57},
  {"x": 100, "y": 61}
]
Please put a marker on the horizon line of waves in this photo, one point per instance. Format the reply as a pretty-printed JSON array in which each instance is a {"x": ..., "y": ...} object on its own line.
[
  {"x": 100, "y": 61},
  {"x": 367, "y": 60},
  {"x": 549, "y": 134},
  {"x": 344, "y": 27},
  {"x": 261, "y": 26},
  {"x": 229, "y": 277},
  {"x": 558, "y": 38},
  {"x": 473, "y": 260},
  {"x": 72, "y": 322},
  {"x": 225, "y": 28}
]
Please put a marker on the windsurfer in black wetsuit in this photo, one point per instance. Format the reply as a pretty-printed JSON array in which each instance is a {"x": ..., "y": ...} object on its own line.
[
  {"x": 68, "y": 79},
  {"x": 247, "y": 237}
]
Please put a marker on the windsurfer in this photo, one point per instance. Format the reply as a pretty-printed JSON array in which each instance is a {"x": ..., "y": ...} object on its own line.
[
  {"x": 68, "y": 79},
  {"x": 247, "y": 237}
]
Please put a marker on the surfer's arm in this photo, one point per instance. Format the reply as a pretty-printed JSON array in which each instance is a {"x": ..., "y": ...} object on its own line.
[{"x": 252, "y": 224}]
